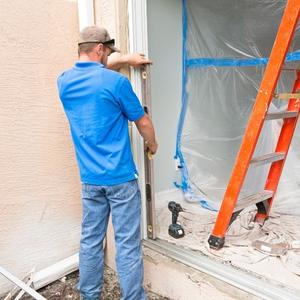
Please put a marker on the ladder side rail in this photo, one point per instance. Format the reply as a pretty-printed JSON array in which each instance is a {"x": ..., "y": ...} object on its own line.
[
  {"x": 263, "y": 99},
  {"x": 283, "y": 145}
]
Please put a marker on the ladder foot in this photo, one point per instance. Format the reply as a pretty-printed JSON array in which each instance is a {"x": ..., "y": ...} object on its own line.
[
  {"x": 261, "y": 218},
  {"x": 216, "y": 242}
]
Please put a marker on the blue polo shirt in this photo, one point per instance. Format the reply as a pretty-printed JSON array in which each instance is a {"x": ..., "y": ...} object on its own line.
[{"x": 98, "y": 103}]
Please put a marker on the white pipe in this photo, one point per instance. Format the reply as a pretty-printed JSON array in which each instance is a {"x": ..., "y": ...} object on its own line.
[
  {"x": 56, "y": 271},
  {"x": 85, "y": 13}
]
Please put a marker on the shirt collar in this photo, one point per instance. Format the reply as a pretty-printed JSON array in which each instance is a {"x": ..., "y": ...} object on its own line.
[{"x": 87, "y": 64}]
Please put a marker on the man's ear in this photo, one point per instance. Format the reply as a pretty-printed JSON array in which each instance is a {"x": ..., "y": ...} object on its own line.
[{"x": 100, "y": 48}]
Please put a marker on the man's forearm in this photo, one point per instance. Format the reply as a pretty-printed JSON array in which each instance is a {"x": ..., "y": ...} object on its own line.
[
  {"x": 146, "y": 130},
  {"x": 117, "y": 61},
  {"x": 148, "y": 134}
]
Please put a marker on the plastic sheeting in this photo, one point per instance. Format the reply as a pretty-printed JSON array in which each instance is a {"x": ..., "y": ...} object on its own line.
[{"x": 225, "y": 50}]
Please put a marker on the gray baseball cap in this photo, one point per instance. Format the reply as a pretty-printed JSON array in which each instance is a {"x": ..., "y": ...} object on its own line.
[{"x": 95, "y": 34}]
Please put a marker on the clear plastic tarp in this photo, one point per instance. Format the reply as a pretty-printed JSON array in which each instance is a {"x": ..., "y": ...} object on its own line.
[{"x": 226, "y": 46}]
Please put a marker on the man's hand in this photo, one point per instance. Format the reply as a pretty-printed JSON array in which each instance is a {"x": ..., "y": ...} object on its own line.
[
  {"x": 151, "y": 147},
  {"x": 117, "y": 61},
  {"x": 136, "y": 59}
]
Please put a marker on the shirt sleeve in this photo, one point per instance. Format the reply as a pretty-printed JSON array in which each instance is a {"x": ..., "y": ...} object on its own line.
[{"x": 129, "y": 102}]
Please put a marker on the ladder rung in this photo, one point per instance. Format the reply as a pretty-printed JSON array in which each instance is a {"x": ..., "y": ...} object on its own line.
[
  {"x": 287, "y": 96},
  {"x": 281, "y": 115},
  {"x": 291, "y": 66},
  {"x": 252, "y": 199},
  {"x": 267, "y": 158}
]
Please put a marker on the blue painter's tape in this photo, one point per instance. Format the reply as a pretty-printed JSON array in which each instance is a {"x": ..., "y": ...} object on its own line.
[
  {"x": 235, "y": 62},
  {"x": 225, "y": 62},
  {"x": 184, "y": 172},
  {"x": 293, "y": 56},
  {"x": 205, "y": 204}
]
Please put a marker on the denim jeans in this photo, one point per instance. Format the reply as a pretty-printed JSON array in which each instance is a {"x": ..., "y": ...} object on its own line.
[{"x": 124, "y": 203}]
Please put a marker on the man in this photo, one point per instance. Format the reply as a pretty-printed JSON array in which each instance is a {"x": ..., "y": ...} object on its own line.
[{"x": 98, "y": 103}]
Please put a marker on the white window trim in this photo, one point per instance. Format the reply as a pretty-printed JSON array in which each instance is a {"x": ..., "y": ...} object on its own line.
[{"x": 138, "y": 42}]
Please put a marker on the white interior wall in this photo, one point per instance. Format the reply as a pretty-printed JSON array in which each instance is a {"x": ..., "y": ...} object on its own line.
[{"x": 165, "y": 44}]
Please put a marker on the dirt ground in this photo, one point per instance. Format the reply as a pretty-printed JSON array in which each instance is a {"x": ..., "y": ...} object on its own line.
[{"x": 65, "y": 288}]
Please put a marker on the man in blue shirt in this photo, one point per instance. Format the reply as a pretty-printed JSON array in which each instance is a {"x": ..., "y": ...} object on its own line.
[{"x": 99, "y": 103}]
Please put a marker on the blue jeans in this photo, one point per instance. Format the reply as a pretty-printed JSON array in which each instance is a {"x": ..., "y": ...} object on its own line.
[{"x": 124, "y": 203}]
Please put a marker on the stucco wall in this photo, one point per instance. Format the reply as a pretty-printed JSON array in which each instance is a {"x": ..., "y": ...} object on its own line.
[
  {"x": 40, "y": 196},
  {"x": 112, "y": 14}
]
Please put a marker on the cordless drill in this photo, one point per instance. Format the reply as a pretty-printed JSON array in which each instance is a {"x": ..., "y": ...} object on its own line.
[{"x": 175, "y": 230}]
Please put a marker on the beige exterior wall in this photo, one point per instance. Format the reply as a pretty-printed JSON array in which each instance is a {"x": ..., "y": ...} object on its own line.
[
  {"x": 40, "y": 192},
  {"x": 113, "y": 16},
  {"x": 39, "y": 183}
]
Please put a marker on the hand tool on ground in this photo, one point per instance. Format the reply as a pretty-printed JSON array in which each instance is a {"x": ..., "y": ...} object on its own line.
[{"x": 175, "y": 229}]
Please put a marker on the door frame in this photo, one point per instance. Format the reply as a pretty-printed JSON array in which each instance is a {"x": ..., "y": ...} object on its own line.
[{"x": 138, "y": 43}]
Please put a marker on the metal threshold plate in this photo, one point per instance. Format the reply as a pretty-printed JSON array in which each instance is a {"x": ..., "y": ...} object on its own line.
[{"x": 254, "y": 285}]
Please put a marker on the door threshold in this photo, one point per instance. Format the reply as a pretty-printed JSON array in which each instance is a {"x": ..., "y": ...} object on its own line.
[{"x": 260, "y": 287}]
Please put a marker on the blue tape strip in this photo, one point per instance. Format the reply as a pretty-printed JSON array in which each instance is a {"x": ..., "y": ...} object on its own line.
[
  {"x": 184, "y": 173},
  {"x": 293, "y": 56},
  {"x": 235, "y": 62},
  {"x": 225, "y": 62}
]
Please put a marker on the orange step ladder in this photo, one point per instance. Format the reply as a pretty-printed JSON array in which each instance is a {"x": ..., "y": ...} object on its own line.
[{"x": 231, "y": 206}]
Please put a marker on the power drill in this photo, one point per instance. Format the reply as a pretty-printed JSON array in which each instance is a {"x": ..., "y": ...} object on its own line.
[{"x": 175, "y": 230}]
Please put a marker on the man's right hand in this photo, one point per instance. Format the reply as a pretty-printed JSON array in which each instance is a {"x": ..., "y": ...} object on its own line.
[
  {"x": 151, "y": 147},
  {"x": 137, "y": 59}
]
